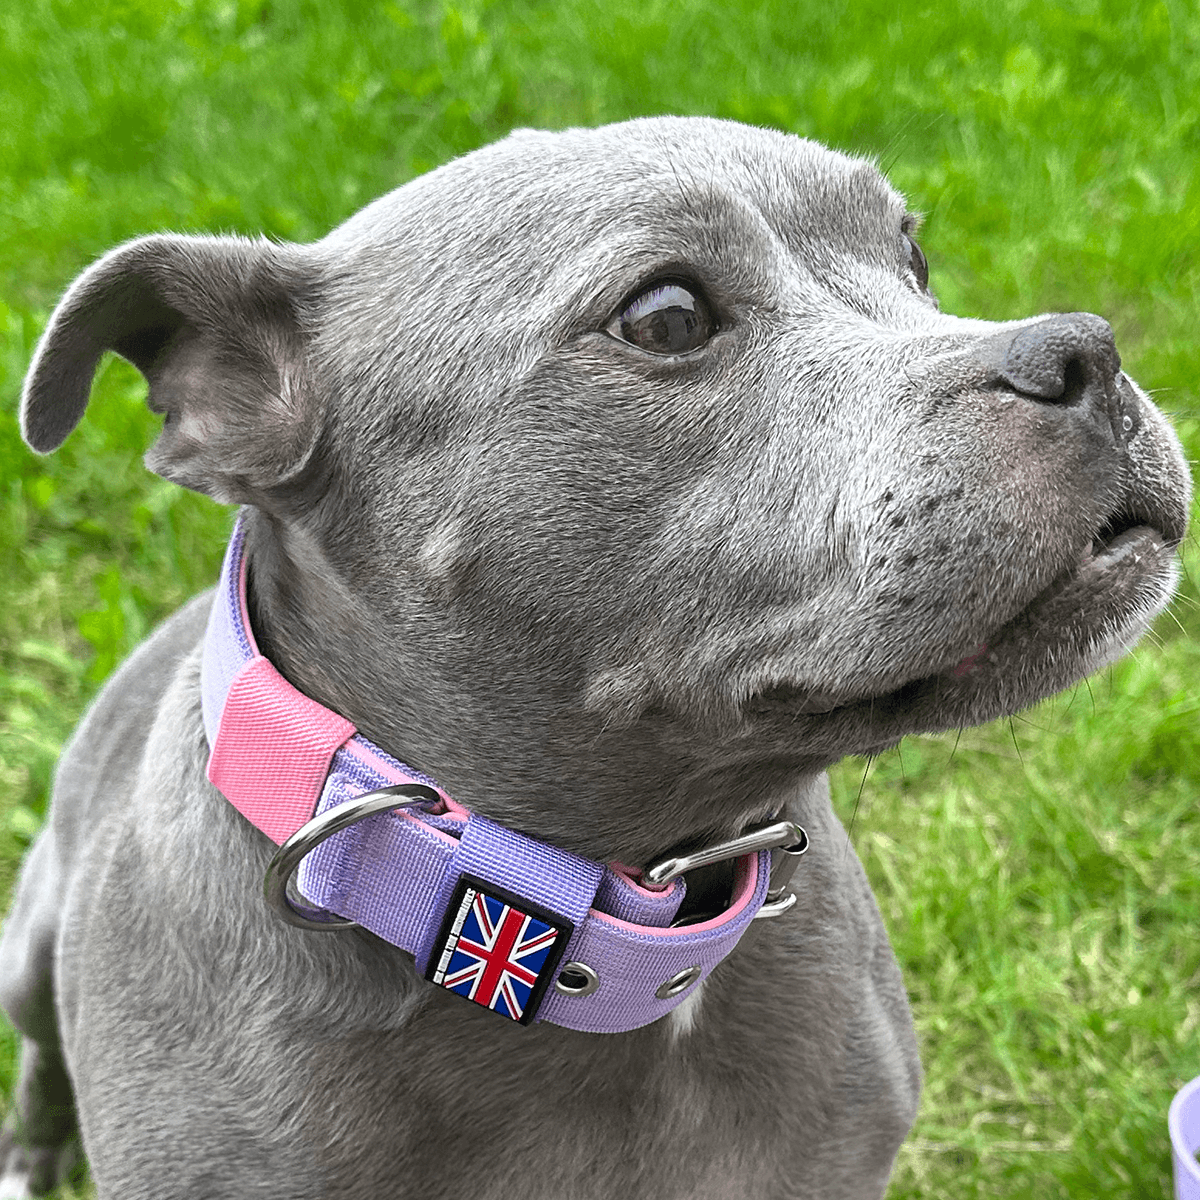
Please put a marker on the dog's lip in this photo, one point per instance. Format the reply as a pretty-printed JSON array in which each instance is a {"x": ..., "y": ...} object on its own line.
[{"x": 1119, "y": 538}]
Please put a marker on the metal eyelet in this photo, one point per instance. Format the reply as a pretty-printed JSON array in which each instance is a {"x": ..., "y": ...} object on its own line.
[
  {"x": 679, "y": 983},
  {"x": 576, "y": 979}
]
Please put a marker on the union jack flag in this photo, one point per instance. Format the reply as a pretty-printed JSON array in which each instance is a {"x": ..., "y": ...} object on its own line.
[{"x": 495, "y": 953}]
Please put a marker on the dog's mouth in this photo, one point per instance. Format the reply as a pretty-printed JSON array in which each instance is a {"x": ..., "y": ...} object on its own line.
[
  {"x": 1116, "y": 533},
  {"x": 1122, "y": 576}
]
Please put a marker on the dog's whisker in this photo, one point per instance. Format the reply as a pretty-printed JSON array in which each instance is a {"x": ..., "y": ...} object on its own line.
[
  {"x": 958, "y": 732},
  {"x": 862, "y": 783},
  {"x": 1012, "y": 729}
]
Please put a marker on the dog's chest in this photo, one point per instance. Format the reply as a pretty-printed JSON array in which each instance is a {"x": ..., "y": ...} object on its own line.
[
  {"x": 747, "y": 1102},
  {"x": 595, "y": 1119}
]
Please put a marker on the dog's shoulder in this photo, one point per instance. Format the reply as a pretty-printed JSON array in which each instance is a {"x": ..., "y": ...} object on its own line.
[{"x": 103, "y": 756}]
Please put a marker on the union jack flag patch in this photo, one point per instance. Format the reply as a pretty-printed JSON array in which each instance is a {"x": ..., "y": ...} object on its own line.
[{"x": 498, "y": 949}]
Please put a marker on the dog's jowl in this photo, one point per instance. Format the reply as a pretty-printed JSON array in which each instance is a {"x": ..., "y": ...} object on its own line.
[{"x": 598, "y": 490}]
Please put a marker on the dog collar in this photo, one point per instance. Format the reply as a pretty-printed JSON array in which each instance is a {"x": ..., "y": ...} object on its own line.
[{"x": 523, "y": 928}]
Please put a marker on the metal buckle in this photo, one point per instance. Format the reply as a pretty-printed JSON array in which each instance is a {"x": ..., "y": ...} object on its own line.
[
  {"x": 785, "y": 839},
  {"x": 277, "y": 883}
]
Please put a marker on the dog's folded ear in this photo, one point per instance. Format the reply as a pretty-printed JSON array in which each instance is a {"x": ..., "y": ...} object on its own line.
[{"x": 217, "y": 326}]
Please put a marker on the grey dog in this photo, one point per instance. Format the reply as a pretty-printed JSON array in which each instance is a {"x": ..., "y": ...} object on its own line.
[{"x": 622, "y": 480}]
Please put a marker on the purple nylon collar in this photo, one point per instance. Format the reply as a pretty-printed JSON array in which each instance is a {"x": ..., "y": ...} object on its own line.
[
  {"x": 1183, "y": 1121},
  {"x": 481, "y": 908}
]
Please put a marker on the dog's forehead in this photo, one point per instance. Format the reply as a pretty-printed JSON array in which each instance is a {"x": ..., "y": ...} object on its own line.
[
  {"x": 553, "y": 192},
  {"x": 678, "y": 162}
]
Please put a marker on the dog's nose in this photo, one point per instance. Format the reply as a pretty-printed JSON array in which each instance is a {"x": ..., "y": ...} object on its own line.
[{"x": 1071, "y": 359}]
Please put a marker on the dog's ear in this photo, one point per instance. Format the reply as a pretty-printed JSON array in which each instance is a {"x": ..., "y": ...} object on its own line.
[{"x": 217, "y": 326}]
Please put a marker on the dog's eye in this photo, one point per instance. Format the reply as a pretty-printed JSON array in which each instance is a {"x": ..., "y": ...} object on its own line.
[
  {"x": 668, "y": 317},
  {"x": 918, "y": 264}
]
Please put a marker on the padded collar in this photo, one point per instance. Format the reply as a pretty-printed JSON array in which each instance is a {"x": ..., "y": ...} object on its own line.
[{"x": 483, "y": 909}]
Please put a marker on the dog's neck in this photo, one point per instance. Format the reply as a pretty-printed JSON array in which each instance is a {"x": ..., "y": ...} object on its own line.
[{"x": 631, "y": 797}]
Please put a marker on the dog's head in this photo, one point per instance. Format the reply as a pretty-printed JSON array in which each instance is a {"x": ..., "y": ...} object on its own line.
[{"x": 639, "y": 464}]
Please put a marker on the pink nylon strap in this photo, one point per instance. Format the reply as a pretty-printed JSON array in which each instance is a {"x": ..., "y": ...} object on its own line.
[{"x": 273, "y": 749}]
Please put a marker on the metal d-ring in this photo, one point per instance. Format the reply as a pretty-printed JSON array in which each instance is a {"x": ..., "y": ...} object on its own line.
[{"x": 277, "y": 883}]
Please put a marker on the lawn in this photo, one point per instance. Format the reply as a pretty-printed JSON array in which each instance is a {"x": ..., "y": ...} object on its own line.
[{"x": 1039, "y": 877}]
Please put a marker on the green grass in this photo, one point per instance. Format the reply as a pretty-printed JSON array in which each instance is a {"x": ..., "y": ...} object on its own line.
[{"x": 1038, "y": 877}]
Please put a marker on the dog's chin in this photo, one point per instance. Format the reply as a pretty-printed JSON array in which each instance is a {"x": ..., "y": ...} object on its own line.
[{"x": 1087, "y": 618}]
